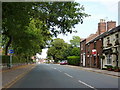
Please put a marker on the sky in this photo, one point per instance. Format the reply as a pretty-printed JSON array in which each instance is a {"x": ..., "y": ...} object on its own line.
[
  {"x": 98, "y": 9},
  {"x": 43, "y": 54}
]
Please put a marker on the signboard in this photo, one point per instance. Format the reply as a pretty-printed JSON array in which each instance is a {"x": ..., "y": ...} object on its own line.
[
  {"x": 11, "y": 51},
  {"x": 94, "y": 52}
]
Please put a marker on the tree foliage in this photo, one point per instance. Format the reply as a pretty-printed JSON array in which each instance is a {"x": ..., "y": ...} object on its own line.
[
  {"x": 58, "y": 46},
  {"x": 60, "y": 50},
  {"x": 28, "y": 26},
  {"x": 63, "y": 15},
  {"x": 75, "y": 41}
]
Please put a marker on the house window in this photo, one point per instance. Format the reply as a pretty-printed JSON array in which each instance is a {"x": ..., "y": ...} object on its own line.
[
  {"x": 81, "y": 46},
  {"x": 108, "y": 40},
  {"x": 109, "y": 61},
  {"x": 117, "y": 36},
  {"x": 117, "y": 39}
]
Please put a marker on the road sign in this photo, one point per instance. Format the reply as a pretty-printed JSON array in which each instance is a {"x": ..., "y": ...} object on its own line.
[
  {"x": 94, "y": 52},
  {"x": 11, "y": 51}
]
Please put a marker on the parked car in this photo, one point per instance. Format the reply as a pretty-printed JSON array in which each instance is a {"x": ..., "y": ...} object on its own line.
[{"x": 64, "y": 62}]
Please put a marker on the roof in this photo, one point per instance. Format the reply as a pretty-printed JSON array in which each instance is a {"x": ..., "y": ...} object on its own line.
[
  {"x": 113, "y": 30},
  {"x": 83, "y": 40}
]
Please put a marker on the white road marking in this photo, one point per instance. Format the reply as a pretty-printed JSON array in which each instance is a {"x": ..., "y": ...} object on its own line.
[
  {"x": 54, "y": 68},
  {"x": 86, "y": 84},
  {"x": 68, "y": 75},
  {"x": 59, "y": 71}
]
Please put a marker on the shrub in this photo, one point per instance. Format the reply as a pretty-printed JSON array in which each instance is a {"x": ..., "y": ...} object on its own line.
[
  {"x": 15, "y": 59},
  {"x": 109, "y": 67},
  {"x": 115, "y": 67},
  {"x": 74, "y": 60}
]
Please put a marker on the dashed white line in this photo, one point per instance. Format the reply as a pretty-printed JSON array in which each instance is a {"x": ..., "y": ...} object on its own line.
[
  {"x": 59, "y": 71},
  {"x": 68, "y": 75},
  {"x": 54, "y": 68},
  {"x": 87, "y": 84}
]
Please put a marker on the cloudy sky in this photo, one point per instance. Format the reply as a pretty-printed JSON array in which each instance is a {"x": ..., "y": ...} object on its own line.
[{"x": 98, "y": 9}]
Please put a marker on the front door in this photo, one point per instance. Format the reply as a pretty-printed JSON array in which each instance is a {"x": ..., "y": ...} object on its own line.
[{"x": 83, "y": 60}]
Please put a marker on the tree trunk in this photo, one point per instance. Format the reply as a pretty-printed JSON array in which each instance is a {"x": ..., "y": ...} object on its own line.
[{"x": 8, "y": 44}]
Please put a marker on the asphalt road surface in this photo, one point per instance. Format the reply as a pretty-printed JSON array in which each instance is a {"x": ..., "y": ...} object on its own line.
[{"x": 61, "y": 76}]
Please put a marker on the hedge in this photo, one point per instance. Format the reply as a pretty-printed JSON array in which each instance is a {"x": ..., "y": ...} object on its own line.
[
  {"x": 5, "y": 59},
  {"x": 15, "y": 59},
  {"x": 74, "y": 60}
]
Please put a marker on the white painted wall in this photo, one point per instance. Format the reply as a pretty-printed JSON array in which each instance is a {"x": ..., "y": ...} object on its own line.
[{"x": 112, "y": 41}]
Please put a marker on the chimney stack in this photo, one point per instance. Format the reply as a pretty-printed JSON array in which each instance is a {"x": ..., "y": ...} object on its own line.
[
  {"x": 110, "y": 25},
  {"x": 101, "y": 26}
]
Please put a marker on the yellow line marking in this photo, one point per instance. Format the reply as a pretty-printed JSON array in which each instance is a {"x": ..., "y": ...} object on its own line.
[{"x": 18, "y": 78}]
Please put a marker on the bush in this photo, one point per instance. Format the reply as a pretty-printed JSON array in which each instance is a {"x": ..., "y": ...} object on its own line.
[
  {"x": 15, "y": 59},
  {"x": 115, "y": 67},
  {"x": 74, "y": 60},
  {"x": 109, "y": 67}
]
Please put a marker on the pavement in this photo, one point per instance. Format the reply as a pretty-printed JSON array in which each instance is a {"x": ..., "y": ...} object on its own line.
[
  {"x": 16, "y": 73},
  {"x": 11, "y": 75},
  {"x": 112, "y": 73}
]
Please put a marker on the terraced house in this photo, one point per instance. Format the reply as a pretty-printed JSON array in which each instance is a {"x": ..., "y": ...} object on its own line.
[
  {"x": 111, "y": 47},
  {"x": 94, "y": 50}
]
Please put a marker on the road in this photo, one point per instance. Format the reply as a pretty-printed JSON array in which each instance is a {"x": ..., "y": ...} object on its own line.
[{"x": 61, "y": 76}]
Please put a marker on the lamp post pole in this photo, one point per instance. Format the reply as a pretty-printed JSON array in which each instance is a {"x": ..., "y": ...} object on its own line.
[{"x": 11, "y": 60}]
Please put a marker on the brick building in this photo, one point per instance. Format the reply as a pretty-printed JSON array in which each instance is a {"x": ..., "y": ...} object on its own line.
[{"x": 92, "y": 47}]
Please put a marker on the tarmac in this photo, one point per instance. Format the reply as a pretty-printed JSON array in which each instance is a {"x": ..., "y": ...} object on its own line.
[{"x": 18, "y": 72}]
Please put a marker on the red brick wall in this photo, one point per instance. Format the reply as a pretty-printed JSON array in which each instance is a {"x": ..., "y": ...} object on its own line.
[
  {"x": 110, "y": 25},
  {"x": 87, "y": 58},
  {"x": 99, "y": 52},
  {"x": 91, "y": 61}
]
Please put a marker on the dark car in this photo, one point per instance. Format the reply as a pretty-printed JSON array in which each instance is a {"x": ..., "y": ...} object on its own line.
[{"x": 64, "y": 62}]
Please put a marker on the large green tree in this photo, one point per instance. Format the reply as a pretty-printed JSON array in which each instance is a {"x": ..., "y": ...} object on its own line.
[
  {"x": 58, "y": 46},
  {"x": 52, "y": 18},
  {"x": 32, "y": 40}
]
